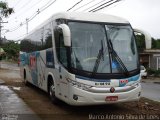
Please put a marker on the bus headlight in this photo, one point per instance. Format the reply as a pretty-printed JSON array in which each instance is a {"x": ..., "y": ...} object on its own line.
[
  {"x": 135, "y": 84},
  {"x": 79, "y": 85}
]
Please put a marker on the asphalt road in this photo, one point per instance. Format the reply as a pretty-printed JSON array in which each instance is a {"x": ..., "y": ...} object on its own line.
[
  {"x": 10, "y": 66},
  {"x": 14, "y": 108},
  {"x": 151, "y": 91}
]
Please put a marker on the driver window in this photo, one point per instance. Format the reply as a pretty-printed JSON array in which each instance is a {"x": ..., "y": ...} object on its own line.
[
  {"x": 62, "y": 51},
  {"x": 60, "y": 48}
]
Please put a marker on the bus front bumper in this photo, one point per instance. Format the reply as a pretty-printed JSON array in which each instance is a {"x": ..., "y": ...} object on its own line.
[{"x": 79, "y": 97}]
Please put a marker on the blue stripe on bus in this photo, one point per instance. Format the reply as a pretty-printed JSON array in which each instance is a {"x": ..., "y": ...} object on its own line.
[
  {"x": 134, "y": 78},
  {"x": 131, "y": 79}
]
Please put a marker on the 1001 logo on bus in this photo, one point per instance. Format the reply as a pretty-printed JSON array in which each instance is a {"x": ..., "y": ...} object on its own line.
[
  {"x": 32, "y": 61},
  {"x": 123, "y": 81}
]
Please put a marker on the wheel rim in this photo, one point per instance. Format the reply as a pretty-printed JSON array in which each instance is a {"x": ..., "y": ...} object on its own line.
[
  {"x": 25, "y": 81},
  {"x": 52, "y": 91}
]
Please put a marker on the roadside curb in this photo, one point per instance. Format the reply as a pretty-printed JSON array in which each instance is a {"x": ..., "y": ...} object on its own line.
[
  {"x": 156, "y": 82},
  {"x": 143, "y": 81},
  {"x": 1, "y": 82}
]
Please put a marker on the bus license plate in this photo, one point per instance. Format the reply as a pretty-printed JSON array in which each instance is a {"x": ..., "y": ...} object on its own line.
[{"x": 111, "y": 98}]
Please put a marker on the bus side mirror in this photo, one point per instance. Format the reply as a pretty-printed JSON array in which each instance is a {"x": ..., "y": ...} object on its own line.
[
  {"x": 148, "y": 39},
  {"x": 66, "y": 34}
]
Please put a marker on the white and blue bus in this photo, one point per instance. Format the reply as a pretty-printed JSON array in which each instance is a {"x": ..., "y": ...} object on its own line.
[{"x": 83, "y": 59}]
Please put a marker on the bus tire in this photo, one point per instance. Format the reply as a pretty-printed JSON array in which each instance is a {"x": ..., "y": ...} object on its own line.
[
  {"x": 51, "y": 90},
  {"x": 25, "y": 78}
]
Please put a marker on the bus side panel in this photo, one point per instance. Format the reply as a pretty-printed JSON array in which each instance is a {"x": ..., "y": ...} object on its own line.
[
  {"x": 41, "y": 70},
  {"x": 23, "y": 62},
  {"x": 37, "y": 66},
  {"x": 25, "y": 66},
  {"x": 45, "y": 65},
  {"x": 36, "y": 70},
  {"x": 33, "y": 70},
  {"x": 29, "y": 64}
]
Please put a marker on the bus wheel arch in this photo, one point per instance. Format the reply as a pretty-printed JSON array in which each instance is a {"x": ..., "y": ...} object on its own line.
[{"x": 51, "y": 89}]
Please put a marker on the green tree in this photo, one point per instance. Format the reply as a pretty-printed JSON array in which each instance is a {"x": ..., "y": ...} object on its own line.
[
  {"x": 5, "y": 10},
  {"x": 140, "y": 42},
  {"x": 155, "y": 43},
  {"x": 12, "y": 50},
  {"x": 48, "y": 42}
]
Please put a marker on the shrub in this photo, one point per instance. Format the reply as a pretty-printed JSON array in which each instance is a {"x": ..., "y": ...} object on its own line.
[
  {"x": 157, "y": 73},
  {"x": 153, "y": 72}
]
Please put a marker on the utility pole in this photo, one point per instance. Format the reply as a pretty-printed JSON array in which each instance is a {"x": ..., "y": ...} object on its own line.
[
  {"x": 27, "y": 25},
  {"x": 1, "y": 22}
]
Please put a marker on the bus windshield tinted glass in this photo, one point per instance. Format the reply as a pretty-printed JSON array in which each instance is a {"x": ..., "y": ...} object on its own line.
[{"x": 88, "y": 40}]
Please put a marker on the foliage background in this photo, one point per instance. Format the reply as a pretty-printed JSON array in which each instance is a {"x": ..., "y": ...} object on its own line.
[{"x": 11, "y": 51}]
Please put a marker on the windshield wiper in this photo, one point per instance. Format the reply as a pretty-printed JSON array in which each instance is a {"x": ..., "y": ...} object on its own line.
[
  {"x": 99, "y": 57},
  {"x": 113, "y": 54},
  {"x": 117, "y": 58}
]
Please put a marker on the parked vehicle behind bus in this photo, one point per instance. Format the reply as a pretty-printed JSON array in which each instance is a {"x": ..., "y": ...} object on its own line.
[
  {"x": 83, "y": 59},
  {"x": 143, "y": 72}
]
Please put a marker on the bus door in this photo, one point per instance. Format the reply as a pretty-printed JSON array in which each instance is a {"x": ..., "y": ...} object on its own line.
[{"x": 62, "y": 60}]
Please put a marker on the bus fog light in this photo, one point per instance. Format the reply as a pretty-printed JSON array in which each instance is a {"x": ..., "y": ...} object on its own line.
[
  {"x": 136, "y": 84},
  {"x": 75, "y": 97}
]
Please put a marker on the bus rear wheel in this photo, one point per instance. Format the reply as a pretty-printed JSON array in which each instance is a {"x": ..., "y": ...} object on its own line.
[{"x": 25, "y": 78}]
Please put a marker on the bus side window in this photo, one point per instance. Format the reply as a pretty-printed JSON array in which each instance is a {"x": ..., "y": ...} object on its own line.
[{"x": 47, "y": 37}]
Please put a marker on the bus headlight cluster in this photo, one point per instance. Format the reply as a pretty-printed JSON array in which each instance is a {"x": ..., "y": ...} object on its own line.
[
  {"x": 79, "y": 85},
  {"x": 136, "y": 84}
]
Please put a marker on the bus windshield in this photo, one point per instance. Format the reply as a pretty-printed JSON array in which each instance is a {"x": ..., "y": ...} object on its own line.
[{"x": 90, "y": 39}]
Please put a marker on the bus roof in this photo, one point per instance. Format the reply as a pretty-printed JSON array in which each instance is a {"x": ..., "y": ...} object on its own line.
[
  {"x": 87, "y": 16},
  {"x": 83, "y": 16}
]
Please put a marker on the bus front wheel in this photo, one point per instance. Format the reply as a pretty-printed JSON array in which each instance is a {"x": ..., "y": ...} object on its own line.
[{"x": 52, "y": 92}]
